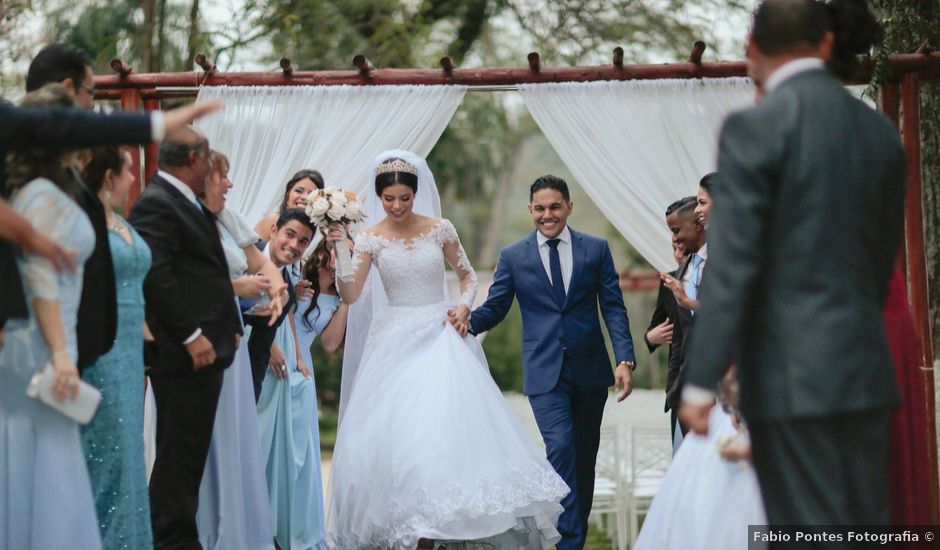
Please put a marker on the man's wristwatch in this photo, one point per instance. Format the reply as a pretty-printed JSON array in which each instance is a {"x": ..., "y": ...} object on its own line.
[{"x": 630, "y": 364}]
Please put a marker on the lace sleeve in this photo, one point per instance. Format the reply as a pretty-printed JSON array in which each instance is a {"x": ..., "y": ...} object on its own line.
[
  {"x": 457, "y": 258},
  {"x": 350, "y": 284},
  {"x": 40, "y": 203}
]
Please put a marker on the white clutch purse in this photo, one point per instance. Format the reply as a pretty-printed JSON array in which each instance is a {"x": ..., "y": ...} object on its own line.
[{"x": 80, "y": 409}]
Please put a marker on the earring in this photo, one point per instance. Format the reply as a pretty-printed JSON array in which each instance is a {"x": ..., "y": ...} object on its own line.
[{"x": 107, "y": 197}]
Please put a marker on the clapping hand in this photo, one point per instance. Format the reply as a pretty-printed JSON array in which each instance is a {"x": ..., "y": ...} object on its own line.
[
  {"x": 459, "y": 317},
  {"x": 675, "y": 285}
]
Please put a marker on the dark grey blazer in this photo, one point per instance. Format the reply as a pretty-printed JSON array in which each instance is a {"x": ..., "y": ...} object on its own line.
[
  {"x": 806, "y": 225},
  {"x": 188, "y": 286}
]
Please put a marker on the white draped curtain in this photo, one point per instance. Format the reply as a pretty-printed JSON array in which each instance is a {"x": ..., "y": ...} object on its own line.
[
  {"x": 269, "y": 133},
  {"x": 637, "y": 146}
]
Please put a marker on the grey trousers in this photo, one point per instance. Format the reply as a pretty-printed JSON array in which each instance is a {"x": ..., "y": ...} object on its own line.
[{"x": 824, "y": 471}]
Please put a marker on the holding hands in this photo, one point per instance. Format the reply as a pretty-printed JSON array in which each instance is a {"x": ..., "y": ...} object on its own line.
[{"x": 459, "y": 317}]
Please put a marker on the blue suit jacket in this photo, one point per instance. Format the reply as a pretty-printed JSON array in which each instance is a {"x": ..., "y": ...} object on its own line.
[{"x": 552, "y": 331}]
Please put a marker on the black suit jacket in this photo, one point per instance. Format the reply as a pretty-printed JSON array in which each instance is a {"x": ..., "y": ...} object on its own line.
[
  {"x": 31, "y": 127},
  {"x": 805, "y": 229},
  {"x": 262, "y": 335},
  {"x": 668, "y": 308},
  {"x": 97, "y": 310},
  {"x": 188, "y": 286}
]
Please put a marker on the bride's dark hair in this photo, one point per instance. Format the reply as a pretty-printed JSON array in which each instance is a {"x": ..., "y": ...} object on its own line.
[
  {"x": 387, "y": 179},
  {"x": 855, "y": 30}
]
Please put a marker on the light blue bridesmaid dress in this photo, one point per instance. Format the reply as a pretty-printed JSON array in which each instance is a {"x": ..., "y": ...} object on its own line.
[
  {"x": 45, "y": 493},
  {"x": 114, "y": 448},
  {"x": 290, "y": 438},
  {"x": 233, "y": 511}
]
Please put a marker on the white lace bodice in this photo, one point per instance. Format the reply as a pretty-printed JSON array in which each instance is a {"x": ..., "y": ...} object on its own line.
[{"x": 412, "y": 270}]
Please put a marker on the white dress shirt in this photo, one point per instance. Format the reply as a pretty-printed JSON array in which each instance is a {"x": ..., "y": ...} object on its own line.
[
  {"x": 790, "y": 69},
  {"x": 691, "y": 394},
  {"x": 157, "y": 125},
  {"x": 180, "y": 186},
  {"x": 564, "y": 255},
  {"x": 189, "y": 194}
]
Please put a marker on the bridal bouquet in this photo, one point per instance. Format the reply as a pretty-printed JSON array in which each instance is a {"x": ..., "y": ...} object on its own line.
[{"x": 333, "y": 205}]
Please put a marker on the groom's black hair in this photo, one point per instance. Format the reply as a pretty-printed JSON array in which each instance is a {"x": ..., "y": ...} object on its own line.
[
  {"x": 549, "y": 181},
  {"x": 297, "y": 214}
]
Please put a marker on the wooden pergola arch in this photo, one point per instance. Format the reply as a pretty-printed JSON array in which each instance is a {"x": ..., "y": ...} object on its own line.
[{"x": 899, "y": 101}]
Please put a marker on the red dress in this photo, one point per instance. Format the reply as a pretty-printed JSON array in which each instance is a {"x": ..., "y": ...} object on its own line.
[{"x": 907, "y": 458}]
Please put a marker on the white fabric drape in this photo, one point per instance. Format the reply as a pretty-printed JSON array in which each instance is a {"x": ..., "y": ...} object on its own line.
[
  {"x": 637, "y": 146},
  {"x": 271, "y": 132}
]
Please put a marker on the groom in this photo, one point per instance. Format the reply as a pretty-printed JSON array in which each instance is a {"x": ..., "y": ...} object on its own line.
[{"x": 560, "y": 276}]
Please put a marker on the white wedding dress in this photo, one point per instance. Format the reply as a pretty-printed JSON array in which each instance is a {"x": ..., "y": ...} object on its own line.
[
  {"x": 427, "y": 446},
  {"x": 705, "y": 502}
]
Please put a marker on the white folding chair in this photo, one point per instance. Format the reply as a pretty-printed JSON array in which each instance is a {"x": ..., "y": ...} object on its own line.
[{"x": 650, "y": 454}]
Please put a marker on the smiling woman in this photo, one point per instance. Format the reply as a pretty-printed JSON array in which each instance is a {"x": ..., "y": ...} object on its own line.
[{"x": 298, "y": 187}]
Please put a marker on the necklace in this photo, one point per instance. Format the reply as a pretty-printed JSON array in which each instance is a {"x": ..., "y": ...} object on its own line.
[{"x": 115, "y": 225}]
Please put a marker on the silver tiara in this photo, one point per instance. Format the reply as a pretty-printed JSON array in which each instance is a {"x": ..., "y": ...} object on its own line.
[{"x": 396, "y": 165}]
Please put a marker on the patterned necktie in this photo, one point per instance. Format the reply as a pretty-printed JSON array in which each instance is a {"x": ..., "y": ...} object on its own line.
[
  {"x": 554, "y": 265},
  {"x": 691, "y": 283}
]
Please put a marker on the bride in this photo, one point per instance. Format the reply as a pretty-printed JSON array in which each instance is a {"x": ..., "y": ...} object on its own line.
[{"x": 428, "y": 450}]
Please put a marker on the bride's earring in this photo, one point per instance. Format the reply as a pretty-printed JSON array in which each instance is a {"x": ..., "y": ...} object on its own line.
[{"x": 107, "y": 197}]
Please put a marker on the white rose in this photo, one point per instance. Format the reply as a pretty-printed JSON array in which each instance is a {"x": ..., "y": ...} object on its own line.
[
  {"x": 339, "y": 198},
  {"x": 354, "y": 211},
  {"x": 328, "y": 190},
  {"x": 336, "y": 212},
  {"x": 319, "y": 207}
]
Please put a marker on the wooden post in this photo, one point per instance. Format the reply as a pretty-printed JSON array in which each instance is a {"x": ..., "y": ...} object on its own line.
[
  {"x": 448, "y": 65},
  {"x": 363, "y": 64},
  {"x": 917, "y": 270},
  {"x": 130, "y": 101},
  {"x": 618, "y": 57},
  {"x": 698, "y": 49},
  {"x": 150, "y": 150},
  {"x": 891, "y": 108},
  {"x": 534, "y": 62},
  {"x": 286, "y": 67}
]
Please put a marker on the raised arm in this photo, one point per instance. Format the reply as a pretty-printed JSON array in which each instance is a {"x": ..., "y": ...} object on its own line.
[{"x": 350, "y": 285}]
